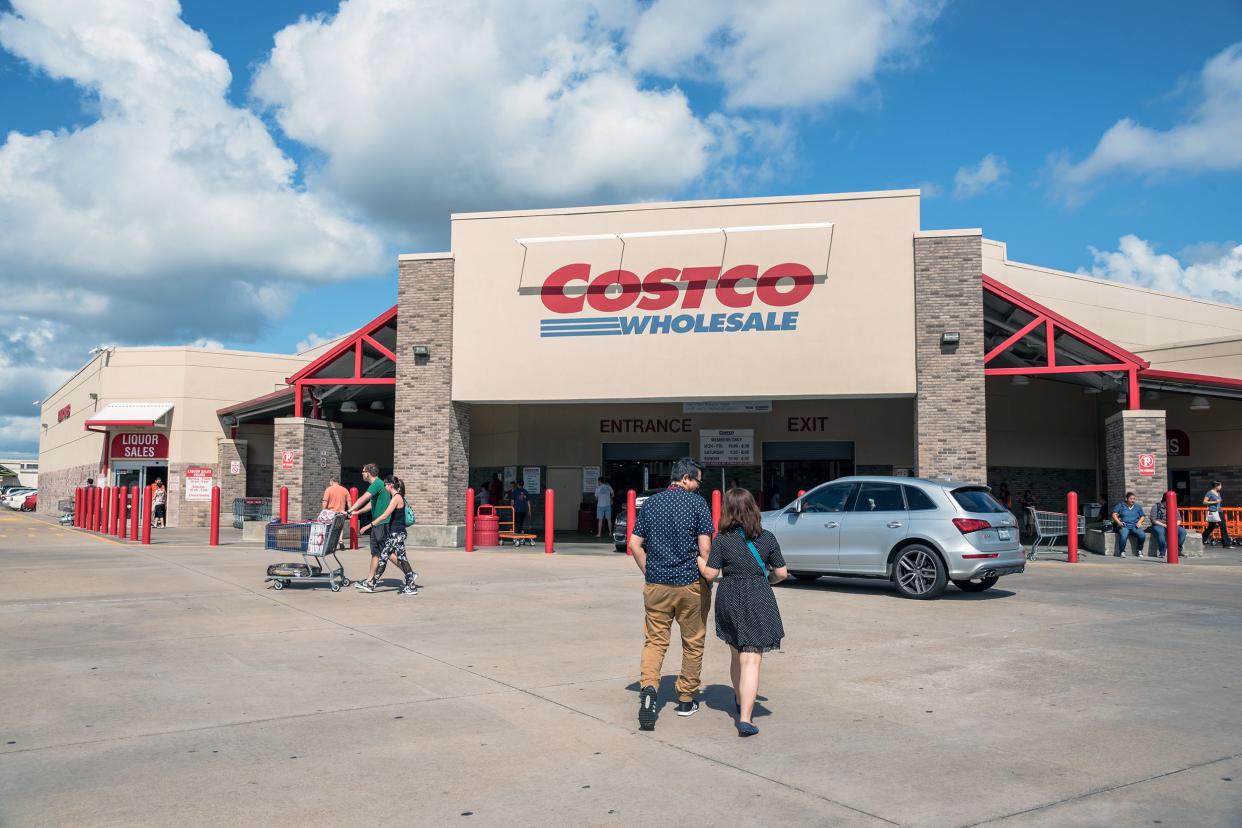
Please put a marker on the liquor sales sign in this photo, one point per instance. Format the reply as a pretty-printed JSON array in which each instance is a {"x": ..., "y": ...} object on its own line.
[{"x": 148, "y": 445}]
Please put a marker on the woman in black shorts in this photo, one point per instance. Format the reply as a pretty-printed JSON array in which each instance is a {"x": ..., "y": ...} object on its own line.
[{"x": 747, "y": 617}]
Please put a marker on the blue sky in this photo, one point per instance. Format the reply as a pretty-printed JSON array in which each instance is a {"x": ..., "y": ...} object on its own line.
[{"x": 161, "y": 155}]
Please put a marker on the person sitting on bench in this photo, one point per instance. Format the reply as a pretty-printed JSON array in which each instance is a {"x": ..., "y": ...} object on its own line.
[
  {"x": 1160, "y": 528},
  {"x": 1128, "y": 517}
]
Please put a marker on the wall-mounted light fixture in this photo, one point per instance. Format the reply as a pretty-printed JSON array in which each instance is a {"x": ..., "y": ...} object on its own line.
[
  {"x": 422, "y": 351},
  {"x": 93, "y": 396},
  {"x": 950, "y": 338}
]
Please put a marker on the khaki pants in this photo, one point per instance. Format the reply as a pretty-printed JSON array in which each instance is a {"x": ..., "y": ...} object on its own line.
[{"x": 689, "y": 605}]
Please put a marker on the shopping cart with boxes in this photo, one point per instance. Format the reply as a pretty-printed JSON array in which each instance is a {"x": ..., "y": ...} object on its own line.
[{"x": 316, "y": 542}]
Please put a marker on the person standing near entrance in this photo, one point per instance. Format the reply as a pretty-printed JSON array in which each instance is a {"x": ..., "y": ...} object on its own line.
[
  {"x": 1215, "y": 520},
  {"x": 378, "y": 497},
  {"x": 495, "y": 490},
  {"x": 159, "y": 499},
  {"x": 673, "y": 529},
  {"x": 336, "y": 496},
  {"x": 747, "y": 617},
  {"x": 520, "y": 499},
  {"x": 603, "y": 508},
  {"x": 394, "y": 518}
]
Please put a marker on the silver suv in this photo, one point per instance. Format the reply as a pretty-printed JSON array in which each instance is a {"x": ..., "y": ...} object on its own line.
[{"x": 920, "y": 534}]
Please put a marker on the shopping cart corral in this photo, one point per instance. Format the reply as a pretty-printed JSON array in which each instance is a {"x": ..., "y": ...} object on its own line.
[
  {"x": 316, "y": 542},
  {"x": 251, "y": 508},
  {"x": 1049, "y": 526}
]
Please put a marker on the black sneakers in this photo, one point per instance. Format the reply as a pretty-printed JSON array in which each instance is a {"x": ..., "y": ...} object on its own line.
[
  {"x": 685, "y": 708},
  {"x": 647, "y": 709}
]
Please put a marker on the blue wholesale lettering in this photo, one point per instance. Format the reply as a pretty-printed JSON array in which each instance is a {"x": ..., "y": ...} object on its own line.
[{"x": 673, "y": 323}]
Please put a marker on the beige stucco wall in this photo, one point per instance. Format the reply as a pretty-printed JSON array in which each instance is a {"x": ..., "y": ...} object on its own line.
[
  {"x": 570, "y": 435},
  {"x": 854, "y": 333},
  {"x": 1220, "y": 357},
  {"x": 196, "y": 381},
  {"x": 1133, "y": 317},
  {"x": 1050, "y": 425}
]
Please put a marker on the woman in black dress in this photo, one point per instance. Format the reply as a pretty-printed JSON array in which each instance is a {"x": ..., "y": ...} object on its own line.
[{"x": 747, "y": 618}]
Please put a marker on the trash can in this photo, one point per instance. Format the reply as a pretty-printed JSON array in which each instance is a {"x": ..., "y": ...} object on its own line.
[
  {"x": 486, "y": 527},
  {"x": 586, "y": 518}
]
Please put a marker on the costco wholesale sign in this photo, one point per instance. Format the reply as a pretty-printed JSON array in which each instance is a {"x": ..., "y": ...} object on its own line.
[{"x": 142, "y": 446}]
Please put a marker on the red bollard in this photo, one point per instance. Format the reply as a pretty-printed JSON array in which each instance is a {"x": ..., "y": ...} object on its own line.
[
  {"x": 213, "y": 534},
  {"x": 284, "y": 504},
  {"x": 77, "y": 505},
  {"x": 1171, "y": 526},
  {"x": 146, "y": 514},
  {"x": 715, "y": 511},
  {"x": 92, "y": 507},
  {"x": 549, "y": 507},
  {"x": 469, "y": 520},
  {"x": 118, "y": 519},
  {"x": 353, "y": 519},
  {"x": 135, "y": 513},
  {"x": 105, "y": 516},
  {"x": 1071, "y": 525},
  {"x": 96, "y": 508},
  {"x": 631, "y": 515}
]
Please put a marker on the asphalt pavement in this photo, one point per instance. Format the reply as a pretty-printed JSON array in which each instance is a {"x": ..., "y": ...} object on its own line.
[{"x": 169, "y": 685}]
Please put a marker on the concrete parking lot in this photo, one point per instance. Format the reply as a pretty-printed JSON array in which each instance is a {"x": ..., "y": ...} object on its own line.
[{"x": 166, "y": 685}]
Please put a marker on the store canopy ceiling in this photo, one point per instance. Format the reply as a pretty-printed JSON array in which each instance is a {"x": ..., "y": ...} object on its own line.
[{"x": 130, "y": 415}]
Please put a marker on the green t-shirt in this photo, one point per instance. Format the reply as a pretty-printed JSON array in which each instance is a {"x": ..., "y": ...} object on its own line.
[{"x": 379, "y": 500}]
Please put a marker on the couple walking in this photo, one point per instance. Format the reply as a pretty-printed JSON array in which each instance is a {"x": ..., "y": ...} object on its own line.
[{"x": 672, "y": 544}]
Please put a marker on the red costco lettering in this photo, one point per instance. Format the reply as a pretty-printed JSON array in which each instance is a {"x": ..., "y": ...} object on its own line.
[{"x": 780, "y": 286}]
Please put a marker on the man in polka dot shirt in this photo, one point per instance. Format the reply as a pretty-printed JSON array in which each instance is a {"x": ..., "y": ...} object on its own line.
[{"x": 671, "y": 532}]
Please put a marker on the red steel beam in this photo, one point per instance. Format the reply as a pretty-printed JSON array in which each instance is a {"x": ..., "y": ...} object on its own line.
[{"x": 1004, "y": 346}]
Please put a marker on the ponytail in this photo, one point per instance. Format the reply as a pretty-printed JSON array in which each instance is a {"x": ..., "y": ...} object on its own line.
[{"x": 396, "y": 482}]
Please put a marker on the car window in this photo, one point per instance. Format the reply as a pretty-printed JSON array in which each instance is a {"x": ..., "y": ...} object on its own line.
[
  {"x": 833, "y": 498},
  {"x": 977, "y": 500},
  {"x": 917, "y": 499},
  {"x": 879, "y": 497}
]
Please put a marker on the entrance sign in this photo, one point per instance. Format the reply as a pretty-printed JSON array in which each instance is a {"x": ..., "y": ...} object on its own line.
[
  {"x": 1147, "y": 465},
  {"x": 1179, "y": 443},
  {"x": 590, "y": 479},
  {"x": 727, "y": 447},
  {"x": 198, "y": 483},
  {"x": 727, "y": 407},
  {"x": 147, "y": 445},
  {"x": 532, "y": 480}
]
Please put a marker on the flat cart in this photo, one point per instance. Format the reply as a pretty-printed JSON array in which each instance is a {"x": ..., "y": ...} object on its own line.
[
  {"x": 507, "y": 523},
  {"x": 316, "y": 543}
]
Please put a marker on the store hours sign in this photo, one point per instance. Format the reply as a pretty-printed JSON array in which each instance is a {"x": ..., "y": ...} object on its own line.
[{"x": 727, "y": 446}]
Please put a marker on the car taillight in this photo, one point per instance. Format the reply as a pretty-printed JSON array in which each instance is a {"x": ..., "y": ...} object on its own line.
[{"x": 968, "y": 525}]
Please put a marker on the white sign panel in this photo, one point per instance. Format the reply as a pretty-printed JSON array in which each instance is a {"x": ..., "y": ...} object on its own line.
[
  {"x": 727, "y": 407},
  {"x": 531, "y": 479},
  {"x": 727, "y": 446},
  {"x": 234, "y": 467},
  {"x": 590, "y": 479},
  {"x": 198, "y": 482}
]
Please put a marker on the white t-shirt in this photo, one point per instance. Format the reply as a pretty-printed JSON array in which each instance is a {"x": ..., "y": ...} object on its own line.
[{"x": 603, "y": 494}]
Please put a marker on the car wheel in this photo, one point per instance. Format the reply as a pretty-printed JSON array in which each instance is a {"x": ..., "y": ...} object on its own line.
[
  {"x": 805, "y": 576},
  {"x": 919, "y": 573},
  {"x": 976, "y": 586}
]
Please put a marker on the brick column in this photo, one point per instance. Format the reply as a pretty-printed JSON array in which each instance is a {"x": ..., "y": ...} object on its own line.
[
  {"x": 431, "y": 441},
  {"x": 232, "y": 486},
  {"x": 316, "y": 447},
  {"x": 950, "y": 409},
  {"x": 1128, "y": 434}
]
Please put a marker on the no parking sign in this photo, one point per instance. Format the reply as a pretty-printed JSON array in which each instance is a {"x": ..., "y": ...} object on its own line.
[{"x": 1147, "y": 465}]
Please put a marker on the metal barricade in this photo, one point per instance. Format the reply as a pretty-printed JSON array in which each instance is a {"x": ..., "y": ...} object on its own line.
[{"x": 251, "y": 508}]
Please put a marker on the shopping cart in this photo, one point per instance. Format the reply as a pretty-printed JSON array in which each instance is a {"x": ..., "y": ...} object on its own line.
[{"x": 315, "y": 542}]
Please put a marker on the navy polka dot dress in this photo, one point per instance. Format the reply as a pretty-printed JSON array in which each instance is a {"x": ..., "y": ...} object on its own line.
[{"x": 747, "y": 616}]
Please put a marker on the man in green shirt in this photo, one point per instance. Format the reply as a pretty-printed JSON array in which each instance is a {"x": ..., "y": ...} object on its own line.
[{"x": 377, "y": 497}]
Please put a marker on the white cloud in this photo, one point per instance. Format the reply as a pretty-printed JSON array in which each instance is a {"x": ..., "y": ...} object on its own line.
[
  {"x": 971, "y": 181},
  {"x": 783, "y": 52},
  {"x": 173, "y": 215},
  {"x": 210, "y": 344},
  {"x": 314, "y": 340},
  {"x": 929, "y": 189},
  {"x": 1209, "y": 140},
  {"x": 1136, "y": 262}
]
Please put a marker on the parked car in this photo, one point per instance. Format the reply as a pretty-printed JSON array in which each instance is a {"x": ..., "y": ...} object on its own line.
[
  {"x": 16, "y": 497},
  {"x": 619, "y": 518},
  {"x": 920, "y": 534},
  {"x": 30, "y": 503}
]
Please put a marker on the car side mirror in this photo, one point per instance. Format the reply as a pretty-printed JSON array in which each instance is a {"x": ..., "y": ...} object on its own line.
[{"x": 798, "y": 506}]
